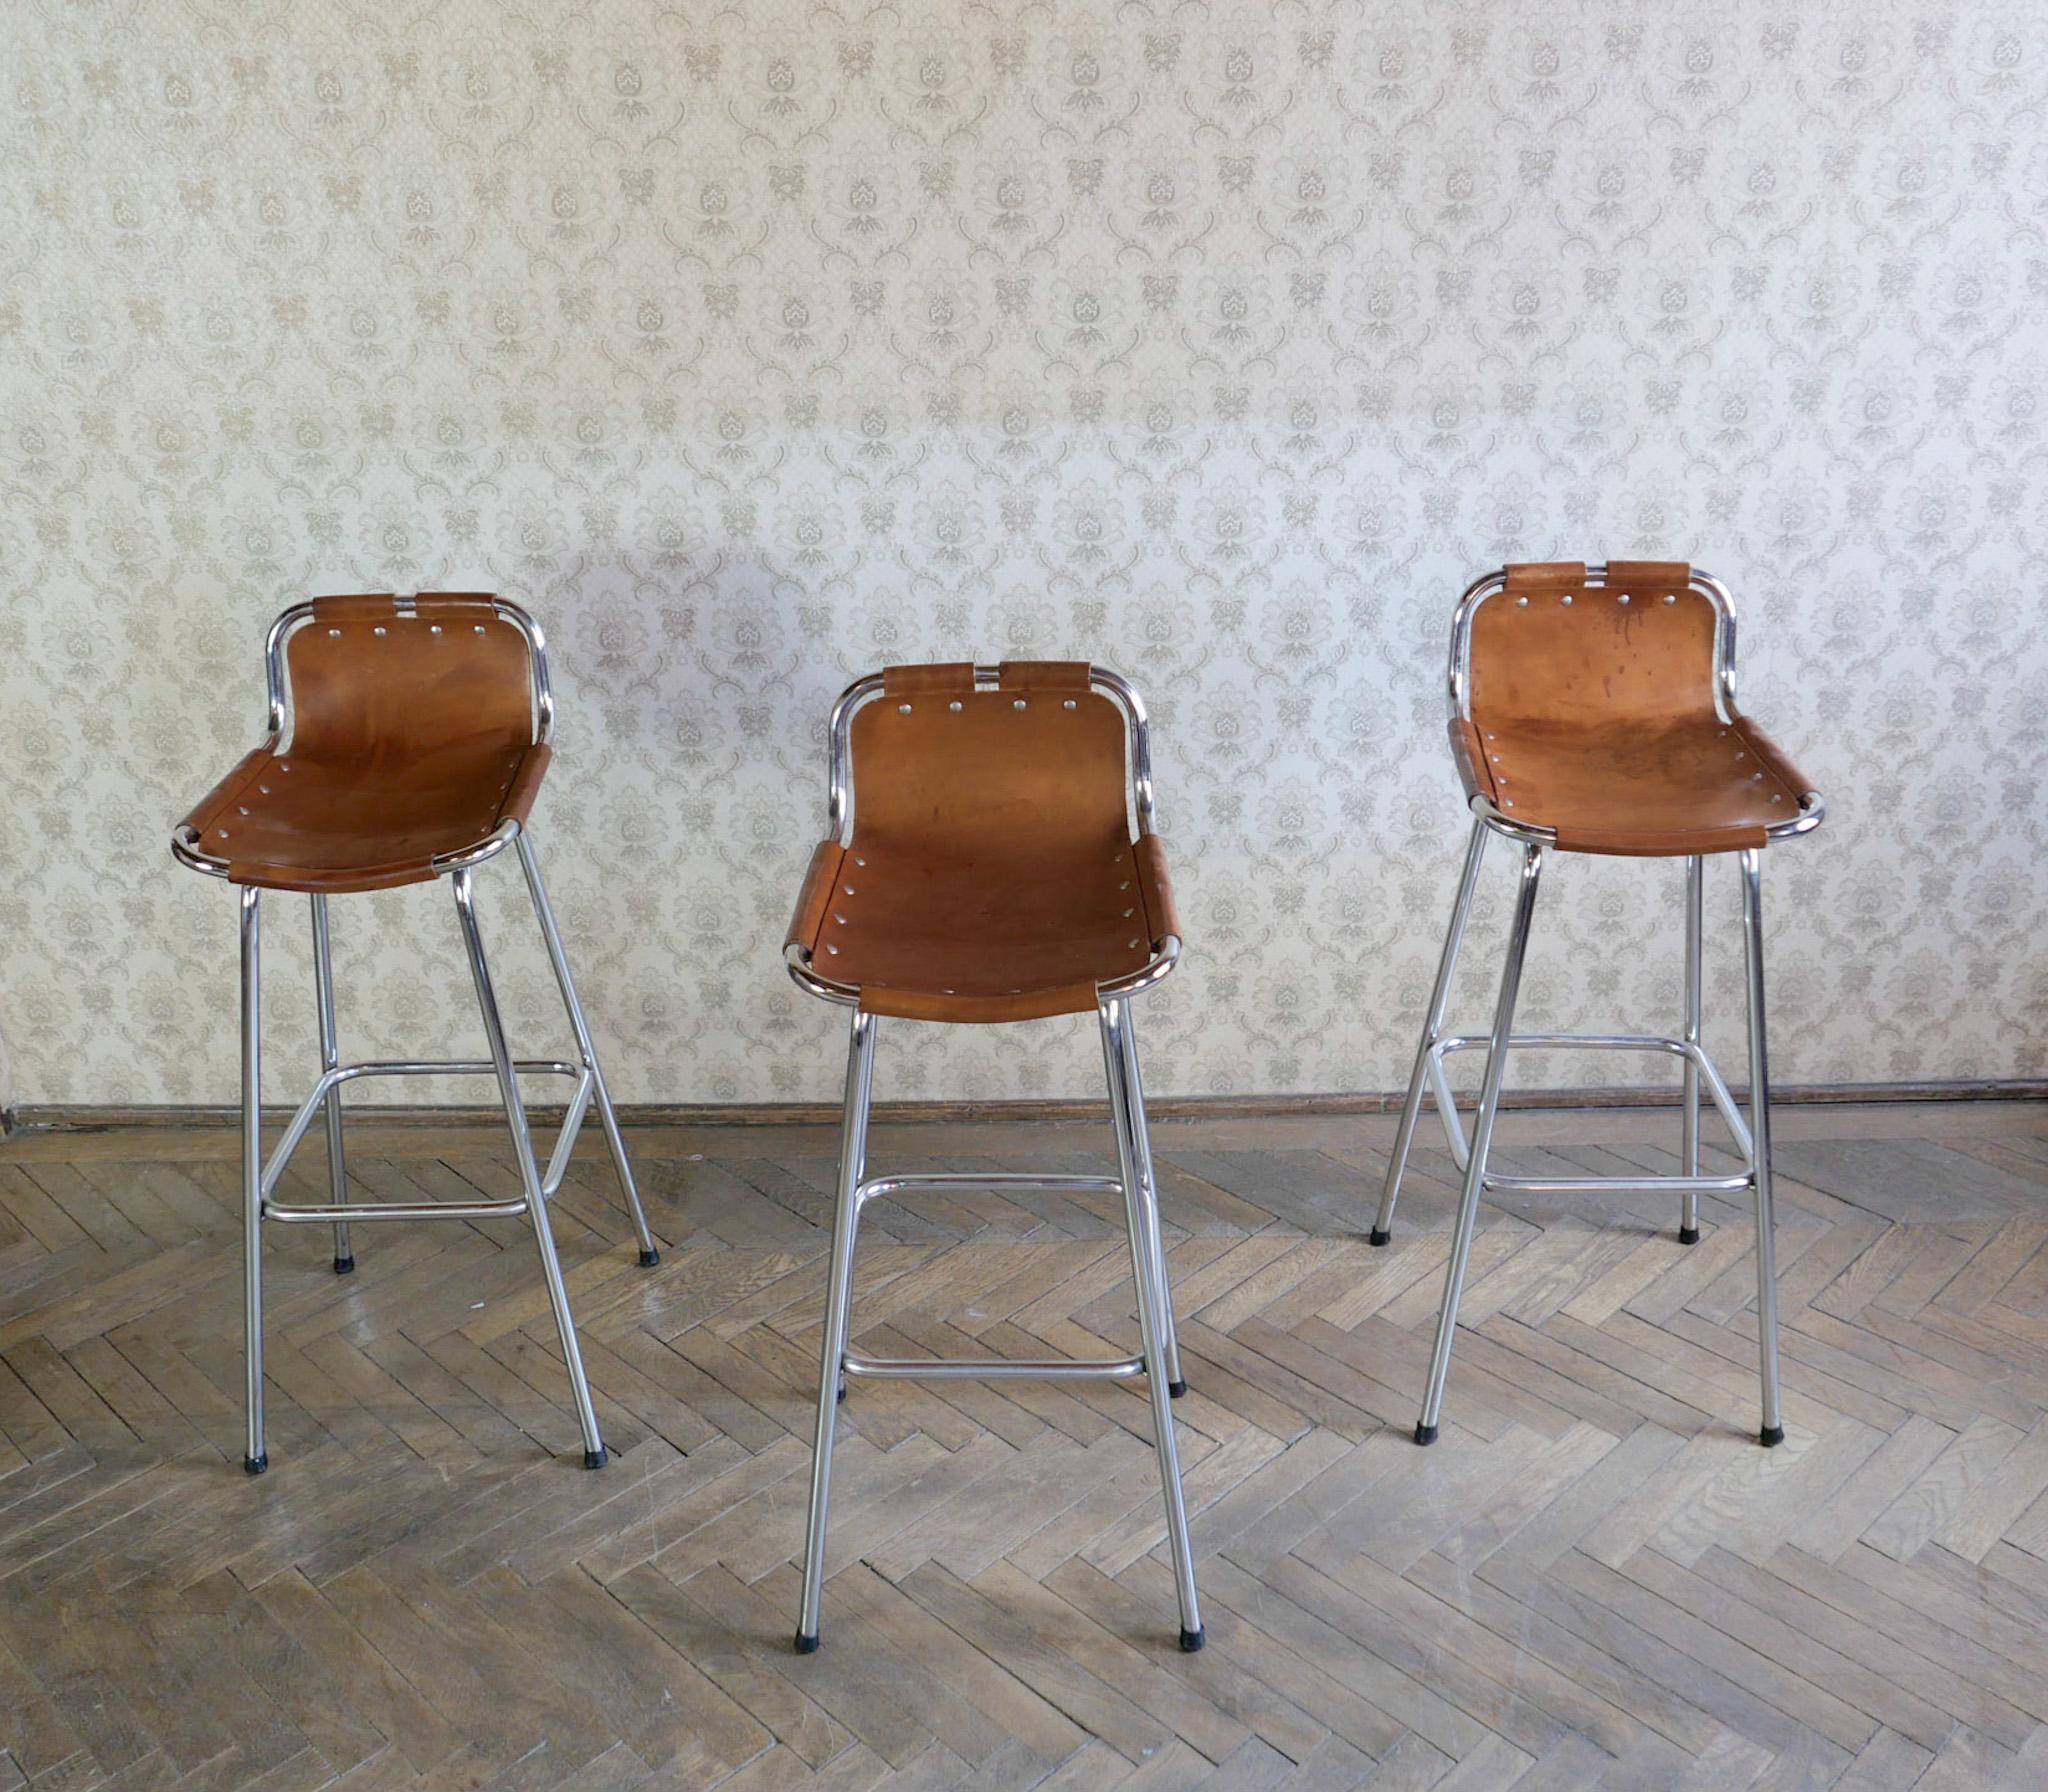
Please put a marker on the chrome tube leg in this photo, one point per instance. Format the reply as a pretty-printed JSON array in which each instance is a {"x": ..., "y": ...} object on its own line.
[
  {"x": 1773, "y": 1430},
  {"x": 853, "y": 1146},
  {"x": 529, "y": 1169},
  {"x": 1482, "y": 1142},
  {"x": 1432, "y": 1026},
  {"x": 330, "y": 1057},
  {"x": 1689, "y": 1145},
  {"x": 255, "y": 1458},
  {"x": 557, "y": 957},
  {"x": 1147, "y": 1272},
  {"x": 1148, "y": 1181}
]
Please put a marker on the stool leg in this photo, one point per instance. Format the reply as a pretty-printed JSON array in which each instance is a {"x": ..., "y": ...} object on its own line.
[
  {"x": 1148, "y": 1181},
  {"x": 330, "y": 1056},
  {"x": 254, "y": 1458},
  {"x": 529, "y": 1171},
  {"x": 1689, "y": 1145},
  {"x": 544, "y": 913},
  {"x": 1154, "y": 1299},
  {"x": 1760, "y": 1135},
  {"x": 853, "y": 1147},
  {"x": 1482, "y": 1142},
  {"x": 1432, "y": 1026}
]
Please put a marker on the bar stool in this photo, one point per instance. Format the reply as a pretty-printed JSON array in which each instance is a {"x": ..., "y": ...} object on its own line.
[
  {"x": 408, "y": 738},
  {"x": 1593, "y": 711},
  {"x": 989, "y": 873}
]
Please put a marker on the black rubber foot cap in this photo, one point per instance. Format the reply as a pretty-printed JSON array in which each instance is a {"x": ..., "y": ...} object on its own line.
[
  {"x": 648, "y": 1259},
  {"x": 255, "y": 1465},
  {"x": 1192, "y": 1640},
  {"x": 842, "y": 1393},
  {"x": 1376, "y": 1236},
  {"x": 1425, "y": 1434},
  {"x": 1688, "y": 1235},
  {"x": 596, "y": 1458},
  {"x": 1771, "y": 1434},
  {"x": 806, "y": 1645},
  {"x": 344, "y": 1266},
  {"x": 1175, "y": 1389}
]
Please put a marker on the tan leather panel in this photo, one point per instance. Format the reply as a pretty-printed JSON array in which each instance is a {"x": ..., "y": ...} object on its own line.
[
  {"x": 1595, "y": 716},
  {"x": 1157, "y": 888},
  {"x": 410, "y": 737},
  {"x": 991, "y": 874},
  {"x": 811, "y": 900}
]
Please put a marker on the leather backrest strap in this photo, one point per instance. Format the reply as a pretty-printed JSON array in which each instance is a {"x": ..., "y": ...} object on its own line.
[
  {"x": 1036, "y": 762},
  {"x": 1554, "y": 648},
  {"x": 382, "y": 679}
]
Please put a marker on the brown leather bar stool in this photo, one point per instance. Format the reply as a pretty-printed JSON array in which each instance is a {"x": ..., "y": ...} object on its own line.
[
  {"x": 1593, "y": 711},
  {"x": 408, "y": 738},
  {"x": 990, "y": 873}
]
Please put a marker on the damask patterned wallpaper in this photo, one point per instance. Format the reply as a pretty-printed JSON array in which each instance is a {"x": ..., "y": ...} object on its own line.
[{"x": 752, "y": 346}]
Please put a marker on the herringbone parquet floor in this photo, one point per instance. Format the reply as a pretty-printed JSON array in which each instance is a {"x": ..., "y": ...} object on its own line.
[{"x": 1596, "y": 1579}]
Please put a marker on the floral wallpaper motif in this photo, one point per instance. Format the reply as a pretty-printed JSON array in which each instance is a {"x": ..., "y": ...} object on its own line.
[{"x": 754, "y": 346}]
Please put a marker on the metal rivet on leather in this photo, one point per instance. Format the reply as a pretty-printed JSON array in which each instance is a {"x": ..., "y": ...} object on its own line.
[
  {"x": 954, "y": 706},
  {"x": 829, "y": 947},
  {"x": 1124, "y": 886},
  {"x": 479, "y": 628},
  {"x": 1069, "y": 704},
  {"x": 241, "y": 811},
  {"x": 1567, "y": 598},
  {"x": 1019, "y": 704},
  {"x": 902, "y": 709},
  {"x": 849, "y": 889},
  {"x": 860, "y": 861},
  {"x": 1622, "y": 598},
  {"x": 1133, "y": 945},
  {"x": 1670, "y": 597},
  {"x": 841, "y": 919},
  {"x": 335, "y": 632},
  {"x": 223, "y": 833},
  {"x": 433, "y": 628},
  {"x": 1521, "y": 603},
  {"x": 376, "y": 631}
]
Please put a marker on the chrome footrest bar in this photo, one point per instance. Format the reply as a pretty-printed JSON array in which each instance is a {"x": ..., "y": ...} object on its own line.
[
  {"x": 875, "y": 1368},
  {"x": 1619, "y": 1185},
  {"x": 326, "y": 1214},
  {"x": 993, "y": 1181},
  {"x": 302, "y": 1121},
  {"x": 1687, "y": 1050}
]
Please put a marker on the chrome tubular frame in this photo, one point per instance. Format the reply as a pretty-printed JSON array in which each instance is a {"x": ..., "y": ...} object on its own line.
[
  {"x": 1751, "y": 1135},
  {"x": 261, "y": 1176},
  {"x": 1158, "y": 1358}
]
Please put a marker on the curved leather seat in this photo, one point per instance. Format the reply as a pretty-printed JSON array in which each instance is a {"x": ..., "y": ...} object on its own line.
[
  {"x": 992, "y": 874},
  {"x": 1593, "y": 713},
  {"x": 411, "y": 737}
]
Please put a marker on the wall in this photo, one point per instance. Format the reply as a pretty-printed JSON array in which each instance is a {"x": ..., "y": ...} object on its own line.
[{"x": 754, "y": 347}]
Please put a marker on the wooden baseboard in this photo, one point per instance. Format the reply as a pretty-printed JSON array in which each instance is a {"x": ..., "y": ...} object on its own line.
[{"x": 80, "y": 1117}]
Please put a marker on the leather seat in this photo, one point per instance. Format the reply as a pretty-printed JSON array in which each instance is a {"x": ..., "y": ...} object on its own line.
[
  {"x": 1593, "y": 713},
  {"x": 992, "y": 874},
  {"x": 411, "y": 735}
]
